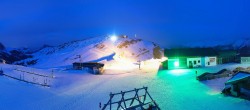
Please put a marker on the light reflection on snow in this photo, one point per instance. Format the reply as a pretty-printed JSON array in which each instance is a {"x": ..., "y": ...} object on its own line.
[
  {"x": 178, "y": 72},
  {"x": 214, "y": 92},
  {"x": 129, "y": 64}
]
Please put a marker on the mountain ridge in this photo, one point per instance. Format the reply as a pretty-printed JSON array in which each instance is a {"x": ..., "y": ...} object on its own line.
[
  {"x": 225, "y": 44},
  {"x": 96, "y": 49}
]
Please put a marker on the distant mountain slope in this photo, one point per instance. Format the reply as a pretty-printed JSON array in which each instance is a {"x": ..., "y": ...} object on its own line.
[
  {"x": 94, "y": 49},
  {"x": 224, "y": 44},
  {"x": 13, "y": 55},
  {"x": 2, "y": 47}
]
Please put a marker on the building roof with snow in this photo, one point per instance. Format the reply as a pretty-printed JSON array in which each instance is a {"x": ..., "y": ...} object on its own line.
[
  {"x": 238, "y": 77},
  {"x": 227, "y": 53}
]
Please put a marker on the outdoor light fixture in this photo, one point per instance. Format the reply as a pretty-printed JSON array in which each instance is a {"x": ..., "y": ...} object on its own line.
[
  {"x": 164, "y": 59},
  {"x": 113, "y": 38},
  {"x": 176, "y": 63}
]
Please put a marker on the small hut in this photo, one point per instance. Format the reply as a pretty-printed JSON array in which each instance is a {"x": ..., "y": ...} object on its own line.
[
  {"x": 238, "y": 85},
  {"x": 96, "y": 68},
  {"x": 190, "y": 58}
]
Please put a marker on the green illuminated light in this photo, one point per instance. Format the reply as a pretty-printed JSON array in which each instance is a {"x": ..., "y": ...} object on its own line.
[{"x": 176, "y": 63}]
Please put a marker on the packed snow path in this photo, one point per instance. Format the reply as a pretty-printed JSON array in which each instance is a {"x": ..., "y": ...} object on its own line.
[{"x": 77, "y": 90}]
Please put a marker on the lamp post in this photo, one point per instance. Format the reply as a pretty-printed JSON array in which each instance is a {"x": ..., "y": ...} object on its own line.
[
  {"x": 139, "y": 63},
  {"x": 196, "y": 72}
]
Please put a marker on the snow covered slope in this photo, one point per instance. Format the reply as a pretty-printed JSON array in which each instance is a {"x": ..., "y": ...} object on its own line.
[{"x": 94, "y": 50}]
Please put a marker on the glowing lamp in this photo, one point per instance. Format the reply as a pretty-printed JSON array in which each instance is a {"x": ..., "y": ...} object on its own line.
[
  {"x": 113, "y": 38},
  {"x": 176, "y": 63}
]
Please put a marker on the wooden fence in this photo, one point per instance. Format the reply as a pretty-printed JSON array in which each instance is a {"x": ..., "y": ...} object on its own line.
[
  {"x": 44, "y": 83},
  {"x": 34, "y": 73},
  {"x": 137, "y": 101}
]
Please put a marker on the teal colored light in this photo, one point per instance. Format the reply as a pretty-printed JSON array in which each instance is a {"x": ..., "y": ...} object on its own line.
[
  {"x": 173, "y": 63},
  {"x": 176, "y": 64},
  {"x": 174, "y": 72},
  {"x": 178, "y": 72}
]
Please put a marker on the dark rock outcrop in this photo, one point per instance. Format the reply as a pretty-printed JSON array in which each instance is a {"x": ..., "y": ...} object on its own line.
[
  {"x": 2, "y": 47},
  {"x": 13, "y": 56}
]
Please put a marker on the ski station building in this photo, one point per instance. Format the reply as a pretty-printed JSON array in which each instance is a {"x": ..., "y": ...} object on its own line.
[
  {"x": 190, "y": 58},
  {"x": 244, "y": 54}
]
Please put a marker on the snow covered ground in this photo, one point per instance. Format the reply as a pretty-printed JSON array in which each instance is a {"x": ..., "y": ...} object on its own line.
[{"x": 80, "y": 90}]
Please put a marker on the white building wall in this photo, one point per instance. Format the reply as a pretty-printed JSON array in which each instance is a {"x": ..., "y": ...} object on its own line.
[
  {"x": 210, "y": 61},
  {"x": 245, "y": 60},
  {"x": 196, "y": 62},
  {"x": 203, "y": 62}
]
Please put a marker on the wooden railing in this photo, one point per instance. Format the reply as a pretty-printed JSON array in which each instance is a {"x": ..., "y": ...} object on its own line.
[
  {"x": 45, "y": 81},
  {"x": 131, "y": 103}
]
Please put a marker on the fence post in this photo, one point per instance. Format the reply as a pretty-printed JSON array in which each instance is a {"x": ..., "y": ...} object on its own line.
[
  {"x": 196, "y": 73},
  {"x": 123, "y": 99},
  {"x": 110, "y": 100},
  {"x": 52, "y": 73}
]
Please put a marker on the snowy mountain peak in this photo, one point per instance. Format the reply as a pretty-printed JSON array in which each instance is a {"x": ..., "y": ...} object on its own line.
[
  {"x": 222, "y": 44},
  {"x": 245, "y": 43},
  {"x": 96, "y": 49}
]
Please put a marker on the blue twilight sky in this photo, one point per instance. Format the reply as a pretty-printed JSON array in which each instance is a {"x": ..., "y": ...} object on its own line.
[{"x": 32, "y": 23}]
